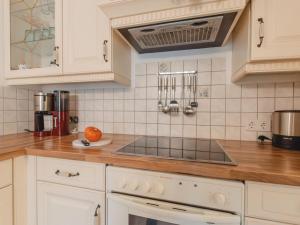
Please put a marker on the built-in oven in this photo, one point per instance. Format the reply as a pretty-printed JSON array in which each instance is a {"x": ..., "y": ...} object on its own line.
[
  {"x": 139, "y": 197},
  {"x": 130, "y": 210}
]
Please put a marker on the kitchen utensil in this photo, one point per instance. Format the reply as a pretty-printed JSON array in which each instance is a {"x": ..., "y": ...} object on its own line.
[
  {"x": 85, "y": 142},
  {"x": 189, "y": 110},
  {"x": 286, "y": 129},
  {"x": 166, "y": 107},
  {"x": 194, "y": 104},
  {"x": 174, "y": 106},
  {"x": 160, "y": 89}
]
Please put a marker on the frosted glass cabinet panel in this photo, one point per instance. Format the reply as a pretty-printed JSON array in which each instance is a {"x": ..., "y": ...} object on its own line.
[{"x": 33, "y": 37}]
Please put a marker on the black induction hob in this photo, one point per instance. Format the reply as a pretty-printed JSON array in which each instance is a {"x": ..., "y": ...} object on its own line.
[{"x": 188, "y": 149}]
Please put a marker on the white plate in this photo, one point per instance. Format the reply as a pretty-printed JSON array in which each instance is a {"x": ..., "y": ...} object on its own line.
[{"x": 104, "y": 141}]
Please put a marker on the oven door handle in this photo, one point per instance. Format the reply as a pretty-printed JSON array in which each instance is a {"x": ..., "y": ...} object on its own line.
[{"x": 139, "y": 204}]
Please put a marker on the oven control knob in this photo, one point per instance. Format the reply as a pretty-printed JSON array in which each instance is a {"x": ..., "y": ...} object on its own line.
[
  {"x": 159, "y": 189},
  {"x": 134, "y": 185},
  {"x": 146, "y": 187},
  {"x": 122, "y": 184},
  {"x": 219, "y": 198}
]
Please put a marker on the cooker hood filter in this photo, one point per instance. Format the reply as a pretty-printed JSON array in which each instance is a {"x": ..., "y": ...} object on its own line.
[{"x": 179, "y": 35}]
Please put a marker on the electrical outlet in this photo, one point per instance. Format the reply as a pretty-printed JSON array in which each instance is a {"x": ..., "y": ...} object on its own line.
[
  {"x": 263, "y": 125},
  {"x": 252, "y": 125}
]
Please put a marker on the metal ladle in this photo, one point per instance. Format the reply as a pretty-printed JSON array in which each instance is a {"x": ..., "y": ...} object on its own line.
[
  {"x": 166, "y": 107},
  {"x": 189, "y": 110}
]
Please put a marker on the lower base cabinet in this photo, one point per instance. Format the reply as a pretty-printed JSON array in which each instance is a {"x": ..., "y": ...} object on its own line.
[
  {"x": 6, "y": 206},
  {"x": 65, "y": 205},
  {"x": 252, "y": 221}
]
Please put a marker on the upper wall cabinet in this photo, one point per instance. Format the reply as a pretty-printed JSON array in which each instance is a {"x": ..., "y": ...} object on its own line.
[
  {"x": 266, "y": 41},
  {"x": 87, "y": 38},
  {"x": 55, "y": 41},
  {"x": 33, "y": 38}
]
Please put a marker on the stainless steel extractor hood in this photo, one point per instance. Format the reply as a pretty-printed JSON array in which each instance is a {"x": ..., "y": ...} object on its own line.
[{"x": 156, "y": 26}]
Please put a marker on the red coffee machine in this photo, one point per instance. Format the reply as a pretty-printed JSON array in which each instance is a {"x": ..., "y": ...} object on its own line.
[{"x": 61, "y": 113}]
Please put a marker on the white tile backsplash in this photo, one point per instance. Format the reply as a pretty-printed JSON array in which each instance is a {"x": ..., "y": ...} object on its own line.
[
  {"x": 16, "y": 110},
  {"x": 223, "y": 113}
]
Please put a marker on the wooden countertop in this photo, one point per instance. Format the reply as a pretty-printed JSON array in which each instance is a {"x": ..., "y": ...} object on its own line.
[{"x": 262, "y": 163}]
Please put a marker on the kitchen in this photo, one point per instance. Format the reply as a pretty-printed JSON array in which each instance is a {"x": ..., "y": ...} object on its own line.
[{"x": 125, "y": 112}]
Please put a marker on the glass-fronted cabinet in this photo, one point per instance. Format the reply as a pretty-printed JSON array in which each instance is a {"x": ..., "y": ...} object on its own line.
[{"x": 33, "y": 30}]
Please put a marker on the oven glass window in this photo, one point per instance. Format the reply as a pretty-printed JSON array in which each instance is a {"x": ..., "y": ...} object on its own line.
[{"x": 138, "y": 220}]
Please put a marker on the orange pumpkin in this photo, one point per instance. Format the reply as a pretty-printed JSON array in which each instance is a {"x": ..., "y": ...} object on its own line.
[{"x": 92, "y": 134}]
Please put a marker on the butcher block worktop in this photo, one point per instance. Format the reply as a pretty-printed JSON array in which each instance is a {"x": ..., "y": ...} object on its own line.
[{"x": 262, "y": 163}]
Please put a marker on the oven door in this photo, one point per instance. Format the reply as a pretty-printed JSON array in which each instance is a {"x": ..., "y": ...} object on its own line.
[{"x": 129, "y": 210}]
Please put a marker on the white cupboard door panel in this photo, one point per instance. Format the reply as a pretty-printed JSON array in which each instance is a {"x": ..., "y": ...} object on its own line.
[
  {"x": 252, "y": 221},
  {"x": 280, "y": 29},
  {"x": 6, "y": 173},
  {"x": 32, "y": 38},
  {"x": 273, "y": 202},
  {"x": 87, "y": 37},
  {"x": 64, "y": 205},
  {"x": 6, "y": 206}
]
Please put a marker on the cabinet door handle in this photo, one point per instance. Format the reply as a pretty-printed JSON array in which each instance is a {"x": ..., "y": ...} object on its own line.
[
  {"x": 261, "y": 31},
  {"x": 66, "y": 174},
  {"x": 105, "y": 52},
  {"x": 55, "y": 58},
  {"x": 97, "y": 220}
]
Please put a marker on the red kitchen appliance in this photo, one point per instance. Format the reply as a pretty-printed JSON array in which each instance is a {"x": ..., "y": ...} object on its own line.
[{"x": 61, "y": 113}]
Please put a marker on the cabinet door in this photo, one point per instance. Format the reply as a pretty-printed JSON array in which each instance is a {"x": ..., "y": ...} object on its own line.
[
  {"x": 64, "y": 205},
  {"x": 251, "y": 221},
  {"x": 6, "y": 206},
  {"x": 87, "y": 37},
  {"x": 278, "y": 27},
  {"x": 33, "y": 38}
]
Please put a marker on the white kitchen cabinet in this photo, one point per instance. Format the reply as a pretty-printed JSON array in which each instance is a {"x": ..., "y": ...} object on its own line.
[
  {"x": 6, "y": 173},
  {"x": 33, "y": 38},
  {"x": 87, "y": 38},
  {"x": 81, "y": 48},
  {"x": 6, "y": 206},
  {"x": 277, "y": 22},
  {"x": 60, "y": 204},
  {"x": 252, "y": 221},
  {"x": 266, "y": 42},
  {"x": 273, "y": 202}
]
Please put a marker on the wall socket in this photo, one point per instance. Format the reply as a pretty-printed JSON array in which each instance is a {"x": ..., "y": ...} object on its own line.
[{"x": 259, "y": 125}]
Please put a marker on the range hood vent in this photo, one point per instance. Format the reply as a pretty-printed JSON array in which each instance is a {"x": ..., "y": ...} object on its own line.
[{"x": 185, "y": 34}]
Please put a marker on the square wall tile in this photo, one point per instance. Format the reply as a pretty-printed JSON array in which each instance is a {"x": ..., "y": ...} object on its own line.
[
  {"x": 233, "y": 119},
  {"x": 266, "y": 104},
  {"x": 217, "y": 105},
  {"x": 140, "y": 69},
  {"x": 219, "y": 64},
  {"x": 233, "y": 91},
  {"x": 218, "y": 77},
  {"x": 203, "y": 132},
  {"x": 284, "y": 104},
  {"x": 218, "y": 91},
  {"x": 249, "y": 91},
  {"x": 284, "y": 90},
  {"x": 204, "y": 78},
  {"x": 233, "y": 105},
  {"x": 152, "y": 68},
  {"x": 249, "y": 105},
  {"x": 266, "y": 90},
  {"x": 204, "y": 65}
]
